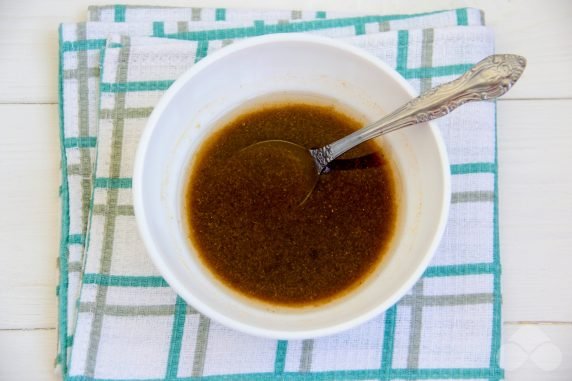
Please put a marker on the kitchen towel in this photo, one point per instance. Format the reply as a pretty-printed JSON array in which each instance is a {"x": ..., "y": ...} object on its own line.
[{"x": 120, "y": 320}]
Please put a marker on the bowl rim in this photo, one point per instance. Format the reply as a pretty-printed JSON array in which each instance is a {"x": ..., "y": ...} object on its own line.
[{"x": 154, "y": 252}]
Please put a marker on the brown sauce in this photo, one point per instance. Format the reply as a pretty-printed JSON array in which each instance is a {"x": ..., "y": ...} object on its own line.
[{"x": 258, "y": 241}]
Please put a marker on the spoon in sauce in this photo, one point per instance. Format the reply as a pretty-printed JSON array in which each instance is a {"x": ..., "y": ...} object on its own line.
[{"x": 295, "y": 170}]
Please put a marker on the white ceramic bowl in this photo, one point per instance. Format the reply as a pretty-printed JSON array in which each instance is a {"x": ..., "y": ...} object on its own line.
[{"x": 285, "y": 64}]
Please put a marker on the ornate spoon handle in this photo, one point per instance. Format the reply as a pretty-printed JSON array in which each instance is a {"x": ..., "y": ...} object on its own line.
[{"x": 488, "y": 79}]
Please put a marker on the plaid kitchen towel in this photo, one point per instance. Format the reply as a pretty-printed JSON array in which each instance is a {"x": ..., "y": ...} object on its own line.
[{"x": 127, "y": 324}]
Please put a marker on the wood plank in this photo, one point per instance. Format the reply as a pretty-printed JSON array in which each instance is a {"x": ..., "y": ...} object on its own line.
[
  {"x": 535, "y": 240},
  {"x": 535, "y": 184},
  {"x": 530, "y": 352},
  {"x": 533, "y": 352},
  {"x": 28, "y": 355},
  {"x": 538, "y": 30},
  {"x": 29, "y": 222}
]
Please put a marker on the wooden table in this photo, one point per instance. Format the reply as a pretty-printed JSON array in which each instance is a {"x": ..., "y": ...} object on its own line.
[{"x": 535, "y": 174}]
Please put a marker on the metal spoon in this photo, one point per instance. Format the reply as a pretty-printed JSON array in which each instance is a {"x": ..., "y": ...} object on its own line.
[{"x": 489, "y": 79}]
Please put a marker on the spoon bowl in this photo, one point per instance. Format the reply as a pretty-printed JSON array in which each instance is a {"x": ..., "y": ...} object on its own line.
[{"x": 285, "y": 172}]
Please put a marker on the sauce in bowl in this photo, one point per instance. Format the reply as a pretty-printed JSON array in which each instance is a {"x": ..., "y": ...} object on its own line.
[{"x": 258, "y": 240}]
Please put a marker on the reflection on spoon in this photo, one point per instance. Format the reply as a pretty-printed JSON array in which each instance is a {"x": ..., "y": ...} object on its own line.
[{"x": 280, "y": 167}]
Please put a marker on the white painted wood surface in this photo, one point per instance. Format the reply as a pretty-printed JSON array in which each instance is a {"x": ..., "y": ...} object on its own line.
[{"x": 535, "y": 154}]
